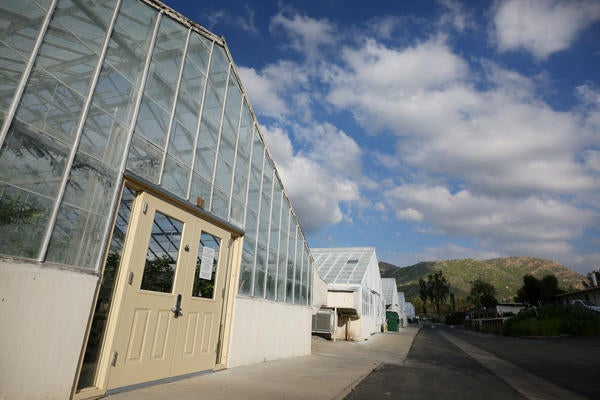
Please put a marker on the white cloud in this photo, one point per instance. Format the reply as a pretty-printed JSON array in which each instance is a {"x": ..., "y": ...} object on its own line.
[
  {"x": 527, "y": 175},
  {"x": 455, "y": 15},
  {"x": 279, "y": 88},
  {"x": 317, "y": 193},
  {"x": 503, "y": 221},
  {"x": 542, "y": 27},
  {"x": 498, "y": 139},
  {"x": 331, "y": 148},
  {"x": 409, "y": 214},
  {"x": 385, "y": 27},
  {"x": 306, "y": 35},
  {"x": 243, "y": 20},
  {"x": 263, "y": 93}
]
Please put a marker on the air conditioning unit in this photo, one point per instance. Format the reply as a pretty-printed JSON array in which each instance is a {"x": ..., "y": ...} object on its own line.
[{"x": 323, "y": 322}]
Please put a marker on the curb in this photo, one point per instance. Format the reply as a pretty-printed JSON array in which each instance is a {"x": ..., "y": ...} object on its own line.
[{"x": 350, "y": 387}]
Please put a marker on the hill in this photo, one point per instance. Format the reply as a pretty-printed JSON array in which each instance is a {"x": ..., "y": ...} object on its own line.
[{"x": 506, "y": 274}]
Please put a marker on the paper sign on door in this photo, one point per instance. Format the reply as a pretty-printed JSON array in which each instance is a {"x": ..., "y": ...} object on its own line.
[{"x": 206, "y": 266}]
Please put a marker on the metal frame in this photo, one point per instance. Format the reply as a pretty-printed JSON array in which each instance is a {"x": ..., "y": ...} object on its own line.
[
  {"x": 26, "y": 73},
  {"x": 174, "y": 106},
  {"x": 129, "y": 136},
  {"x": 217, "y": 148},
  {"x": 199, "y": 123},
  {"x": 74, "y": 147}
]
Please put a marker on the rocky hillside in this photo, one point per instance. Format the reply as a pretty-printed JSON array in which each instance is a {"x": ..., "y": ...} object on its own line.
[{"x": 506, "y": 274}]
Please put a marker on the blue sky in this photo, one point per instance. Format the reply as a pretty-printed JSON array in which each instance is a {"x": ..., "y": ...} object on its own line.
[{"x": 430, "y": 130}]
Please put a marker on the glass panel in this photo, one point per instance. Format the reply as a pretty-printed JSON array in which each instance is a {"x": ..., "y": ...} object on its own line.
[
  {"x": 144, "y": 159},
  {"x": 130, "y": 39},
  {"x": 103, "y": 137},
  {"x": 50, "y": 106},
  {"x": 91, "y": 184},
  {"x": 73, "y": 41},
  {"x": 31, "y": 160},
  {"x": 298, "y": 270},
  {"x": 76, "y": 237},
  {"x": 267, "y": 188},
  {"x": 200, "y": 189},
  {"x": 283, "y": 250},
  {"x": 273, "y": 247},
  {"x": 255, "y": 174},
  {"x": 228, "y": 136},
  {"x": 309, "y": 283},
  {"x": 166, "y": 61},
  {"x": 104, "y": 302},
  {"x": 259, "y": 274},
  {"x": 199, "y": 51},
  {"x": 211, "y": 114},
  {"x": 23, "y": 219},
  {"x": 206, "y": 266},
  {"x": 163, "y": 250},
  {"x": 247, "y": 266},
  {"x": 176, "y": 177},
  {"x": 291, "y": 260},
  {"x": 271, "y": 278},
  {"x": 219, "y": 204},
  {"x": 152, "y": 122},
  {"x": 240, "y": 179},
  {"x": 110, "y": 116},
  {"x": 237, "y": 212},
  {"x": 181, "y": 142},
  {"x": 20, "y": 22}
]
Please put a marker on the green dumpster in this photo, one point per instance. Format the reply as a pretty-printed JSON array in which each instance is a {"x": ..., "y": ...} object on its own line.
[{"x": 392, "y": 320}]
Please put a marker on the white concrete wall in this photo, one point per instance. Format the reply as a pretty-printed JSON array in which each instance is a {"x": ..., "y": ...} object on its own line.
[
  {"x": 344, "y": 300},
  {"x": 43, "y": 317},
  {"x": 264, "y": 330},
  {"x": 319, "y": 288}
]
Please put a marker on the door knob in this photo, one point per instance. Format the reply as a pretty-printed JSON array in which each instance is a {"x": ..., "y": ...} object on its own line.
[{"x": 177, "y": 310}]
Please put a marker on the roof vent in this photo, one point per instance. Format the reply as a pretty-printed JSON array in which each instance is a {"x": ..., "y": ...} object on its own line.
[{"x": 353, "y": 261}]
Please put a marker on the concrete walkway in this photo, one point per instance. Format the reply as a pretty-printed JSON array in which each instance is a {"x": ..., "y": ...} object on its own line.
[{"x": 330, "y": 372}]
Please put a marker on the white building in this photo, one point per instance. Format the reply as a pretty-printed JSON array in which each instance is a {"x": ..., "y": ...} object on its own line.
[
  {"x": 354, "y": 290},
  {"x": 145, "y": 232},
  {"x": 403, "y": 317},
  {"x": 392, "y": 304},
  {"x": 409, "y": 309}
]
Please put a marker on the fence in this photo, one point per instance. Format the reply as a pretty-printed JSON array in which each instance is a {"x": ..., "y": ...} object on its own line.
[{"x": 486, "y": 325}]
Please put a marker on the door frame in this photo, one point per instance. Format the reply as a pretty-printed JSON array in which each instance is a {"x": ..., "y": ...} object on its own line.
[{"x": 231, "y": 277}]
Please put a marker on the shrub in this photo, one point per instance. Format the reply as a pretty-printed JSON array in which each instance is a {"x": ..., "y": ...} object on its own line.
[
  {"x": 553, "y": 320},
  {"x": 455, "y": 318}
]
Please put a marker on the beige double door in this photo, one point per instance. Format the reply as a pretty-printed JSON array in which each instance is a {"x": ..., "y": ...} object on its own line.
[{"x": 173, "y": 277}]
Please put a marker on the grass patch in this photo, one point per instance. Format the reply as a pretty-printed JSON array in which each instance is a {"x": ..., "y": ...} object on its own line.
[{"x": 553, "y": 320}]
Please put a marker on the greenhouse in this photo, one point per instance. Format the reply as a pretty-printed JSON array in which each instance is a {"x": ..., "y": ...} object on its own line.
[
  {"x": 144, "y": 228},
  {"x": 392, "y": 304},
  {"x": 354, "y": 290}
]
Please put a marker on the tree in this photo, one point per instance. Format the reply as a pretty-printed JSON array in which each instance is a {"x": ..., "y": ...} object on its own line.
[
  {"x": 423, "y": 293},
  {"x": 529, "y": 293},
  {"x": 549, "y": 288},
  {"x": 537, "y": 292},
  {"x": 483, "y": 294},
  {"x": 439, "y": 288}
]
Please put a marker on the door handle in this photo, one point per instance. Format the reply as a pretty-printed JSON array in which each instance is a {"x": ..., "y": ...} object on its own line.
[{"x": 177, "y": 310}]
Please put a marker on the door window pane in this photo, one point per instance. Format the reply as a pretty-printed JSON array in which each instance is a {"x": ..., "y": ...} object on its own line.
[
  {"x": 206, "y": 266},
  {"x": 163, "y": 249}
]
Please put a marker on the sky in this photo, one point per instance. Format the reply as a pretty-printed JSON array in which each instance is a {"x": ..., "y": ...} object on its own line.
[{"x": 429, "y": 130}]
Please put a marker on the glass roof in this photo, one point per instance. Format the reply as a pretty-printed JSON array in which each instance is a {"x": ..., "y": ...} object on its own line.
[
  {"x": 346, "y": 265},
  {"x": 389, "y": 288}
]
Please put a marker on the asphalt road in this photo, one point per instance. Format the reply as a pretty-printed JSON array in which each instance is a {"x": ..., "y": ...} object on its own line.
[{"x": 436, "y": 368}]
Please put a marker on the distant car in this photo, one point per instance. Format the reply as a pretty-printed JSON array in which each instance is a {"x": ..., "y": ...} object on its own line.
[{"x": 586, "y": 304}]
